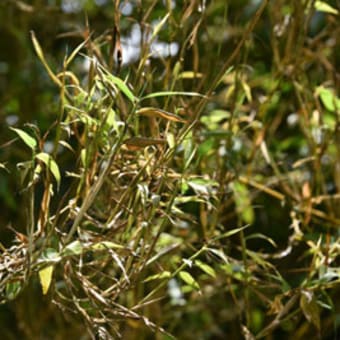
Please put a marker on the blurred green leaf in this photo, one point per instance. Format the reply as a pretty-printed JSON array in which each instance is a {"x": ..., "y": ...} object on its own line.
[
  {"x": 13, "y": 289},
  {"x": 26, "y": 138},
  {"x": 206, "y": 268},
  {"x": 310, "y": 308},
  {"x": 323, "y": 6},
  {"x": 243, "y": 202},
  {"x": 188, "y": 279},
  {"x": 163, "y": 275},
  {"x": 329, "y": 99}
]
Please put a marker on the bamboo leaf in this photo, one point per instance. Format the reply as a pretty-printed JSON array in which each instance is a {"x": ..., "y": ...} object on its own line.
[
  {"x": 231, "y": 232},
  {"x": 159, "y": 26},
  {"x": 26, "y": 138},
  {"x": 329, "y": 99},
  {"x": 310, "y": 308},
  {"x": 119, "y": 83},
  {"x": 153, "y": 112},
  {"x": 73, "y": 248},
  {"x": 76, "y": 51},
  {"x": 135, "y": 143},
  {"x": 172, "y": 93},
  {"x": 188, "y": 279},
  {"x": 106, "y": 245},
  {"x": 51, "y": 165},
  {"x": 243, "y": 202},
  {"x": 206, "y": 268},
  {"x": 163, "y": 275},
  {"x": 41, "y": 56}
]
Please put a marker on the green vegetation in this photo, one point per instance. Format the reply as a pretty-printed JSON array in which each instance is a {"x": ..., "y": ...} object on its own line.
[{"x": 169, "y": 169}]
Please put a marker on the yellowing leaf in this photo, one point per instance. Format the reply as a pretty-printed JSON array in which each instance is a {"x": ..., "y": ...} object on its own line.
[
  {"x": 135, "y": 143},
  {"x": 41, "y": 56},
  {"x": 45, "y": 276},
  {"x": 154, "y": 112},
  {"x": 190, "y": 75}
]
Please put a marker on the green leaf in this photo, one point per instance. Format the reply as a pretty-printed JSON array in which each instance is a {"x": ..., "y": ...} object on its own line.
[
  {"x": 324, "y": 7},
  {"x": 206, "y": 268},
  {"x": 329, "y": 99},
  {"x": 13, "y": 289},
  {"x": 261, "y": 236},
  {"x": 163, "y": 275},
  {"x": 188, "y": 279},
  {"x": 45, "y": 276},
  {"x": 243, "y": 202},
  {"x": 50, "y": 254},
  {"x": 105, "y": 245},
  {"x": 230, "y": 233},
  {"x": 26, "y": 138},
  {"x": 190, "y": 75},
  {"x": 120, "y": 84},
  {"x": 51, "y": 165},
  {"x": 219, "y": 253},
  {"x": 310, "y": 308},
  {"x": 172, "y": 93},
  {"x": 73, "y": 248},
  {"x": 202, "y": 186},
  {"x": 159, "y": 26}
]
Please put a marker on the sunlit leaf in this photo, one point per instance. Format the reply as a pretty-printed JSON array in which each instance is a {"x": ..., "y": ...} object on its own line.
[
  {"x": 322, "y": 6},
  {"x": 188, "y": 279},
  {"x": 26, "y": 138},
  {"x": 45, "y": 276},
  {"x": 190, "y": 75},
  {"x": 73, "y": 248},
  {"x": 159, "y": 26},
  {"x": 329, "y": 99},
  {"x": 105, "y": 245},
  {"x": 51, "y": 165},
  {"x": 172, "y": 93}
]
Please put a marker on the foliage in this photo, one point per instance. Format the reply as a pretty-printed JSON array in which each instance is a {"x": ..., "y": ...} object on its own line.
[{"x": 187, "y": 189}]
